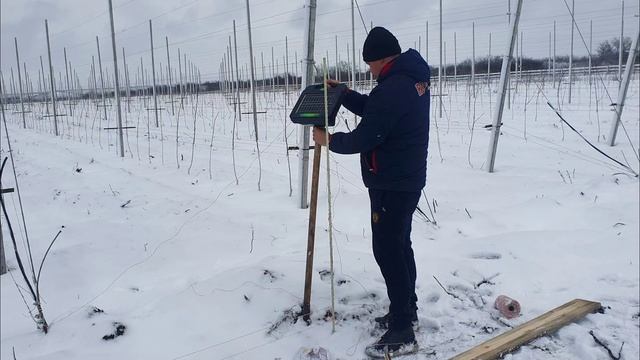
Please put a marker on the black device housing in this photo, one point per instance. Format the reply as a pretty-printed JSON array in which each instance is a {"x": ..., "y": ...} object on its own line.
[{"x": 309, "y": 109}]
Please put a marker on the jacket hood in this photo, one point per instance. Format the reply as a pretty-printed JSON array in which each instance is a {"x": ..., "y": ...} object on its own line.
[{"x": 409, "y": 63}]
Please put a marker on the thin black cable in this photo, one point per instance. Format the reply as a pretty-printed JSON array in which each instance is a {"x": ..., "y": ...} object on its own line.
[
  {"x": 588, "y": 142},
  {"x": 584, "y": 42}
]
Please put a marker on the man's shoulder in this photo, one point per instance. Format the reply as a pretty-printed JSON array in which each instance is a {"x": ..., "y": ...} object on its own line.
[
  {"x": 396, "y": 82},
  {"x": 400, "y": 86}
]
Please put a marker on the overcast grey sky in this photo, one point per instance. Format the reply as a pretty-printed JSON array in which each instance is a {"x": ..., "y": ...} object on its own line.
[{"x": 201, "y": 29}]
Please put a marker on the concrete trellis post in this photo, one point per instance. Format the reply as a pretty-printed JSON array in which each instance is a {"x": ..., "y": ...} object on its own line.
[
  {"x": 590, "y": 53},
  {"x": 180, "y": 84},
  {"x": 303, "y": 144},
  {"x": 104, "y": 101},
  {"x": 235, "y": 45},
  {"x": 504, "y": 74},
  {"x": 3, "y": 260},
  {"x": 473, "y": 59},
  {"x": 126, "y": 77},
  {"x": 549, "y": 58},
  {"x": 353, "y": 57},
  {"x": 66, "y": 70},
  {"x": 117, "y": 81},
  {"x": 286, "y": 71},
  {"x": 621, "y": 45},
  {"x": 153, "y": 76},
  {"x": 24, "y": 121},
  {"x": 263, "y": 73},
  {"x": 253, "y": 94},
  {"x": 509, "y": 77},
  {"x": 426, "y": 45},
  {"x": 553, "y": 74},
  {"x": 624, "y": 86},
  {"x": 52, "y": 81},
  {"x": 440, "y": 69},
  {"x": 455, "y": 61},
  {"x": 573, "y": 25},
  {"x": 166, "y": 39}
]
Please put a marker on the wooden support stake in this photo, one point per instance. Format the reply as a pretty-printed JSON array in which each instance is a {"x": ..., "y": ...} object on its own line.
[
  {"x": 544, "y": 324},
  {"x": 311, "y": 235}
]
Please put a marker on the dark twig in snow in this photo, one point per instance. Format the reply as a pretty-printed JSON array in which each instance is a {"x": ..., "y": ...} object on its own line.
[
  {"x": 447, "y": 291},
  {"x": 433, "y": 217},
  {"x": 601, "y": 343},
  {"x": 252, "y": 237},
  {"x": 562, "y": 176}
]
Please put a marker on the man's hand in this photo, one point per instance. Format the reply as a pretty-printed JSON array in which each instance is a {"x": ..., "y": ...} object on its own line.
[
  {"x": 332, "y": 83},
  {"x": 320, "y": 136}
]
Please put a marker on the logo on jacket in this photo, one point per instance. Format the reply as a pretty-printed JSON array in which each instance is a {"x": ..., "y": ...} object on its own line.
[{"x": 422, "y": 88}]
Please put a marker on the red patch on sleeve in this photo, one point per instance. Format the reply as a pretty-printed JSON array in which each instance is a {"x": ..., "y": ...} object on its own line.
[{"x": 422, "y": 88}]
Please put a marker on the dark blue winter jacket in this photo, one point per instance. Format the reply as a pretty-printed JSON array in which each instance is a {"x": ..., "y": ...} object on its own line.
[{"x": 393, "y": 135}]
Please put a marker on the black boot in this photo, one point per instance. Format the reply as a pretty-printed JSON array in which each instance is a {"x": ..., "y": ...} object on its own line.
[
  {"x": 384, "y": 321},
  {"x": 395, "y": 342}
]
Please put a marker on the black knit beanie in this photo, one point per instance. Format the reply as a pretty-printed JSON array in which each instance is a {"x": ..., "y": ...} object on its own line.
[{"x": 380, "y": 43}]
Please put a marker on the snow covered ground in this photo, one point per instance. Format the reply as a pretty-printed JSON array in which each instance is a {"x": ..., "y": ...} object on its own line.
[{"x": 197, "y": 266}]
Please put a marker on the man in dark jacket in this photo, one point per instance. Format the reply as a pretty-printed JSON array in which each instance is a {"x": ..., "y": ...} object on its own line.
[{"x": 392, "y": 140}]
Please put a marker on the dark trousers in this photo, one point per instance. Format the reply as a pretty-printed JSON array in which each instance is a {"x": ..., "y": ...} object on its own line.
[{"x": 391, "y": 214}]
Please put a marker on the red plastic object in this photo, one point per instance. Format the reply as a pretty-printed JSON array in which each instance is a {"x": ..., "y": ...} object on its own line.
[{"x": 507, "y": 306}]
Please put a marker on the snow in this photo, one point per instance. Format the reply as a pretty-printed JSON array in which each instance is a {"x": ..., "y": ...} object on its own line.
[{"x": 204, "y": 268}]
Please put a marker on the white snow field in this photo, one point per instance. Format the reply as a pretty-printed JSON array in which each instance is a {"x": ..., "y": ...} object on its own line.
[{"x": 197, "y": 265}]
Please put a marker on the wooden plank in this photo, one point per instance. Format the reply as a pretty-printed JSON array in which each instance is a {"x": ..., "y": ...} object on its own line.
[{"x": 518, "y": 336}]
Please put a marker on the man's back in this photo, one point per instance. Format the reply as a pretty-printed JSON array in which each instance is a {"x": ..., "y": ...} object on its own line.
[{"x": 393, "y": 135}]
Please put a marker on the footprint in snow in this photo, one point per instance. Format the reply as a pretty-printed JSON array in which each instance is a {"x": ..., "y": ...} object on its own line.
[{"x": 486, "y": 255}]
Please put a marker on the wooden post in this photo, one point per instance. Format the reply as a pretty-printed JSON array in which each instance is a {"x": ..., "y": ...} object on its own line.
[{"x": 311, "y": 233}]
